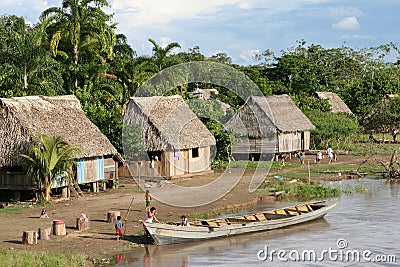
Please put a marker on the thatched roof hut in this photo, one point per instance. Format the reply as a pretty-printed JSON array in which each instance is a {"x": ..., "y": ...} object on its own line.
[
  {"x": 337, "y": 104},
  {"x": 22, "y": 118},
  {"x": 269, "y": 125},
  {"x": 176, "y": 142},
  {"x": 168, "y": 123},
  {"x": 272, "y": 112}
]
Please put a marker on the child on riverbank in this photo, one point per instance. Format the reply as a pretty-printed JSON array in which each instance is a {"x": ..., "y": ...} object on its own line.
[
  {"x": 118, "y": 228},
  {"x": 147, "y": 197},
  {"x": 302, "y": 160}
]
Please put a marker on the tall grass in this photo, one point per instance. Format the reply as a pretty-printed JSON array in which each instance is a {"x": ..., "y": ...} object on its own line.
[
  {"x": 299, "y": 190},
  {"x": 19, "y": 258}
]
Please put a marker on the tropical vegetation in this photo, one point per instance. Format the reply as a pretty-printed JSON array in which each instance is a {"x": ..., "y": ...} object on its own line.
[
  {"x": 76, "y": 49},
  {"x": 50, "y": 159}
]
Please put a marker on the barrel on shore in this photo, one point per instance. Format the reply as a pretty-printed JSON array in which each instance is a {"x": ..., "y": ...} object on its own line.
[{"x": 59, "y": 227}]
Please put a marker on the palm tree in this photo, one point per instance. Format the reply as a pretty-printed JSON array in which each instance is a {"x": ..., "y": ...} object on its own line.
[
  {"x": 49, "y": 158},
  {"x": 160, "y": 54},
  {"x": 79, "y": 25},
  {"x": 27, "y": 67}
]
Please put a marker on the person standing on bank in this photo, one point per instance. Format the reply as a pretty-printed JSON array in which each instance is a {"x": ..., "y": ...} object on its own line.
[
  {"x": 318, "y": 158},
  {"x": 118, "y": 228},
  {"x": 329, "y": 152},
  {"x": 147, "y": 197},
  {"x": 302, "y": 160}
]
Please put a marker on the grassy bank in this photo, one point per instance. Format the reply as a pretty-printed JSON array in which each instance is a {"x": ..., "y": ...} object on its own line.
[
  {"x": 298, "y": 190},
  {"x": 23, "y": 258}
]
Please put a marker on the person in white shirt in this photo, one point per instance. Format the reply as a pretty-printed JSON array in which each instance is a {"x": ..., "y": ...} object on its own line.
[{"x": 329, "y": 152}]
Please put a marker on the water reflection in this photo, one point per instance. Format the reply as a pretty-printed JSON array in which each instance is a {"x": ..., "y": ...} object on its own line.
[
  {"x": 366, "y": 221},
  {"x": 118, "y": 259},
  {"x": 394, "y": 186},
  {"x": 146, "y": 257}
]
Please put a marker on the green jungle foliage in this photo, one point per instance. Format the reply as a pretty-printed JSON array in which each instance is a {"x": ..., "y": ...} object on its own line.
[
  {"x": 97, "y": 64},
  {"x": 332, "y": 129}
]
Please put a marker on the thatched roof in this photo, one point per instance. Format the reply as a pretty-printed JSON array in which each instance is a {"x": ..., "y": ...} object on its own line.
[
  {"x": 22, "y": 118},
  {"x": 337, "y": 104},
  {"x": 168, "y": 123},
  {"x": 262, "y": 116},
  {"x": 284, "y": 113}
]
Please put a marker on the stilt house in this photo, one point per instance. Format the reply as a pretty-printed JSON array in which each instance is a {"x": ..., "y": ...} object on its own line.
[
  {"x": 175, "y": 142},
  {"x": 22, "y": 118},
  {"x": 269, "y": 126}
]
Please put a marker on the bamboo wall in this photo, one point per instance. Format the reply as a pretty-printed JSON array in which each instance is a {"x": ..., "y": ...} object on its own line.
[
  {"x": 290, "y": 142},
  {"x": 172, "y": 164},
  {"x": 284, "y": 143}
]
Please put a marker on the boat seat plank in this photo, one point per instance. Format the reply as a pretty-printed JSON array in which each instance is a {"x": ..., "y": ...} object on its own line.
[
  {"x": 210, "y": 224},
  {"x": 260, "y": 217},
  {"x": 305, "y": 208},
  {"x": 250, "y": 218},
  {"x": 296, "y": 210},
  {"x": 280, "y": 212}
]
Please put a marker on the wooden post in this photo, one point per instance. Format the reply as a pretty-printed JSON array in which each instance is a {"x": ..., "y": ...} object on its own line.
[
  {"x": 65, "y": 192},
  {"x": 95, "y": 187},
  {"x": 45, "y": 233},
  {"x": 112, "y": 216},
  {"x": 82, "y": 224},
  {"x": 59, "y": 227},
  {"x": 29, "y": 237},
  {"x": 104, "y": 186}
]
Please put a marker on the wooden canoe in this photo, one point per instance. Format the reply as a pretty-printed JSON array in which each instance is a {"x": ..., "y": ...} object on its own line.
[{"x": 168, "y": 233}]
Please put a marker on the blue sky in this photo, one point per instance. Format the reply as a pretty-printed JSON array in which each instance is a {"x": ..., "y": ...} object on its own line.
[{"x": 242, "y": 28}]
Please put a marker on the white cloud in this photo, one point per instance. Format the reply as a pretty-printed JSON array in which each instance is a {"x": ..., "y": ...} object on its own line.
[
  {"x": 245, "y": 5},
  {"x": 348, "y": 23},
  {"x": 30, "y": 10},
  {"x": 165, "y": 41},
  {"x": 248, "y": 55},
  {"x": 147, "y": 12},
  {"x": 342, "y": 12}
]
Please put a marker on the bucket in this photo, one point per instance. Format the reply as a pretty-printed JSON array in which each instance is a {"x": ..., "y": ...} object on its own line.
[{"x": 58, "y": 222}]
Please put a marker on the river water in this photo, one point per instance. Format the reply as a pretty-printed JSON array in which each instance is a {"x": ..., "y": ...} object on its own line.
[{"x": 362, "y": 230}]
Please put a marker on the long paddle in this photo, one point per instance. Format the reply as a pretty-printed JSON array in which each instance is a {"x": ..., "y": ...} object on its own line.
[{"x": 126, "y": 216}]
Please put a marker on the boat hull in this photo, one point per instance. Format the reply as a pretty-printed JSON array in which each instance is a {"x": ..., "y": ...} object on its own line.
[{"x": 164, "y": 234}]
